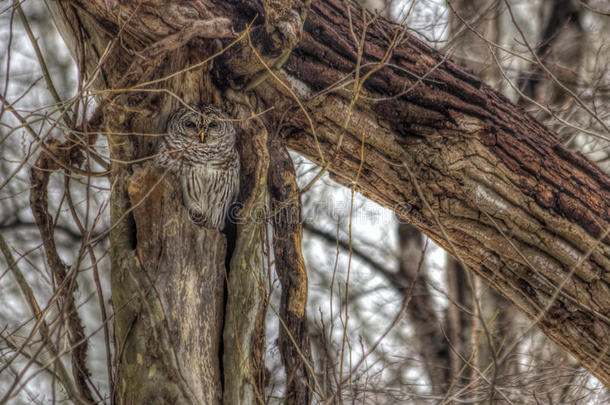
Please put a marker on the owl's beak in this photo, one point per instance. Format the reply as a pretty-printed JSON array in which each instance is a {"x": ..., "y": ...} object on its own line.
[{"x": 202, "y": 135}]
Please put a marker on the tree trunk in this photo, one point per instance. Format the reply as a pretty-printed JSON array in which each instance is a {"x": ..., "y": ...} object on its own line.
[
  {"x": 431, "y": 343},
  {"x": 168, "y": 298},
  {"x": 465, "y": 166},
  {"x": 561, "y": 50}
]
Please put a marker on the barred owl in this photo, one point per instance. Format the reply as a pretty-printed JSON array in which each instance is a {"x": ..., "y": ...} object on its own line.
[{"x": 199, "y": 147}]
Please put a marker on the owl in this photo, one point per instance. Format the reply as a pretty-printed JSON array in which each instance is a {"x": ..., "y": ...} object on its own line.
[{"x": 199, "y": 148}]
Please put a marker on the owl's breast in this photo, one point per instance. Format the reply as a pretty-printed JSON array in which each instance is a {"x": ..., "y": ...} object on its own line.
[{"x": 209, "y": 190}]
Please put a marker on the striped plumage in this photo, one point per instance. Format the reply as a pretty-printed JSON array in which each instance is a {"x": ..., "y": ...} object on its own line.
[{"x": 199, "y": 148}]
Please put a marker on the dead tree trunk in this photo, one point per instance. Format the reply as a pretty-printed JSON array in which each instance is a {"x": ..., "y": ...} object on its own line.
[{"x": 442, "y": 149}]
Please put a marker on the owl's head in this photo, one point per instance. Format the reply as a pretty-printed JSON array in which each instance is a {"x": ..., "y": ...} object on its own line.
[{"x": 200, "y": 126}]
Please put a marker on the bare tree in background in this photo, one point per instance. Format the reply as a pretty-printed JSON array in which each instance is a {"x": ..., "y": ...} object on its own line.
[{"x": 89, "y": 219}]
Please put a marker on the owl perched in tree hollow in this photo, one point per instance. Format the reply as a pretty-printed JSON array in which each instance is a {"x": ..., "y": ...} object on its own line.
[{"x": 199, "y": 148}]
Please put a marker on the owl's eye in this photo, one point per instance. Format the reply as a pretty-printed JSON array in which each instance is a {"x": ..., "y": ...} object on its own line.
[
  {"x": 213, "y": 125},
  {"x": 190, "y": 124}
]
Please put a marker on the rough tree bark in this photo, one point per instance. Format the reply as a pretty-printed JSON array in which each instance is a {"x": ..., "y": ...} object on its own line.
[{"x": 465, "y": 166}]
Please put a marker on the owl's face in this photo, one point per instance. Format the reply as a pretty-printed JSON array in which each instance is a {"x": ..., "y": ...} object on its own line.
[{"x": 200, "y": 128}]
